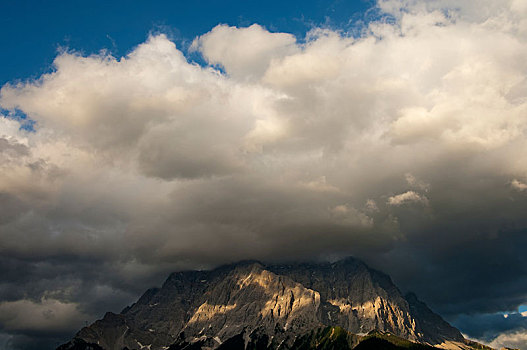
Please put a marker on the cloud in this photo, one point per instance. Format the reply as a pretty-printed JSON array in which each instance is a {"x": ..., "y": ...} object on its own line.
[
  {"x": 397, "y": 146},
  {"x": 414, "y": 182},
  {"x": 407, "y": 197},
  {"x": 47, "y": 315},
  {"x": 514, "y": 340},
  {"x": 351, "y": 216},
  {"x": 244, "y": 52},
  {"x": 371, "y": 205},
  {"x": 519, "y": 186},
  {"x": 488, "y": 326}
]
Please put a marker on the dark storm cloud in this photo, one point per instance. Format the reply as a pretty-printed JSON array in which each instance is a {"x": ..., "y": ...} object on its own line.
[
  {"x": 404, "y": 147},
  {"x": 486, "y": 326}
]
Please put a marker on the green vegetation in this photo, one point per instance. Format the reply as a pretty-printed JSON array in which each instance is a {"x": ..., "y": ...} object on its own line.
[
  {"x": 329, "y": 338},
  {"x": 336, "y": 338}
]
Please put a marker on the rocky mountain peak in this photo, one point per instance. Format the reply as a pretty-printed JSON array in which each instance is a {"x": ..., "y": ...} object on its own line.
[{"x": 276, "y": 303}]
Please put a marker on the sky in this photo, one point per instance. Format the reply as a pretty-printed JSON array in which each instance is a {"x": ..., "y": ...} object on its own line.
[{"x": 140, "y": 140}]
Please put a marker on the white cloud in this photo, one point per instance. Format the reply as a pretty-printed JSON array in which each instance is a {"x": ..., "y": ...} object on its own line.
[
  {"x": 513, "y": 340},
  {"x": 407, "y": 197},
  {"x": 517, "y": 185},
  {"x": 316, "y": 63},
  {"x": 244, "y": 52}
]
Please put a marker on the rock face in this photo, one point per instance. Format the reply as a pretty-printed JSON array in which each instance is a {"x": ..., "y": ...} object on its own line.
[{"x": 251, "y": 303}]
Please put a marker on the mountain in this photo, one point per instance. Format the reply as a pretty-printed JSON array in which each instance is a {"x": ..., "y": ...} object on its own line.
[{"x": 250, "y": 305}]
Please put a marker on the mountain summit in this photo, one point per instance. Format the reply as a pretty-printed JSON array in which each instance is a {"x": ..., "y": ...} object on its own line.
[{"x": 250, "y": 305}]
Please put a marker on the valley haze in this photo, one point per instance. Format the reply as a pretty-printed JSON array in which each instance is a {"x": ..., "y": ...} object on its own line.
[{"x": 141, "y": 140}]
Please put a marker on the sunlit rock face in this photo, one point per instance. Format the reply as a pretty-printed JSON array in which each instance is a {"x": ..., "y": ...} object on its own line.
[{"x": 277, "y": 303}]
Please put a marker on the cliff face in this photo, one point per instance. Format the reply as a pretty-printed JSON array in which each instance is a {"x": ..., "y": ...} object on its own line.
[{"x": 278, "y": 304}]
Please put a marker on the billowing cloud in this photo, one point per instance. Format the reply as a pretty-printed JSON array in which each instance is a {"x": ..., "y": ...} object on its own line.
[
  {"x": 244, "y": 52},
  {"x": 405, "y": 146}
]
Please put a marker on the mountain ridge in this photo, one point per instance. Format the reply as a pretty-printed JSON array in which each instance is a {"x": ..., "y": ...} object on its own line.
[{"x": 275, "y": 302}]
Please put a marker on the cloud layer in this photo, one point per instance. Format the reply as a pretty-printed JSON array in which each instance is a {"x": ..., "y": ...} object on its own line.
[{"x": 405, "y": 146}]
